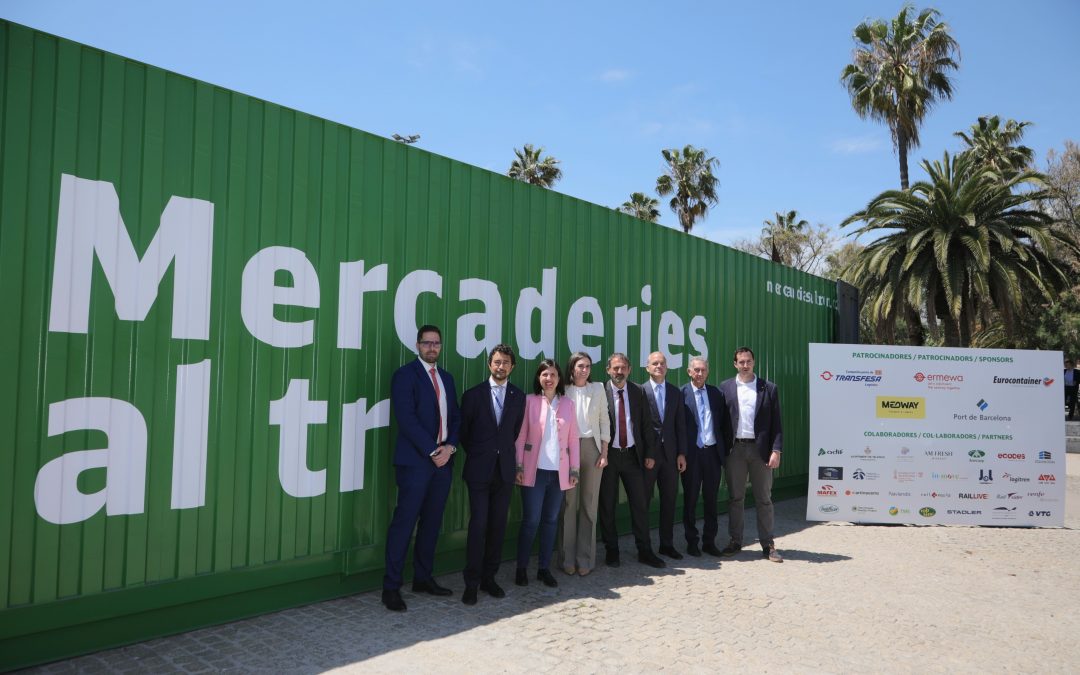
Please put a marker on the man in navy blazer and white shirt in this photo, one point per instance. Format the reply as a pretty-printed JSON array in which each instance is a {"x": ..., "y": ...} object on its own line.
[
  {"x": 491, "y": 417},
  {"x": 706, "y": 433},
  {"x": 669, "y": 428},
  {"x": 756, "y": 441},
  {"x": 424, "y": 402}
]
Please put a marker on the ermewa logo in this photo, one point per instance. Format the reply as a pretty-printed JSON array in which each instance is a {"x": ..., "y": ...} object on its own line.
[
  {"x": 903, "y": 407},
  {"x": 938, "y": 378}
]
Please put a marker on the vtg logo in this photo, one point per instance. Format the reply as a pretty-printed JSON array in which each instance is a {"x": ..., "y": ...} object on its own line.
[{"x": 1039, "y": 514}]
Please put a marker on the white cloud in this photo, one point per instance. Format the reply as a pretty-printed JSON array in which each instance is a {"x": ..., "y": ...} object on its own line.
[
  {"x": 857, "y": 145},
  {"x": 616, "y": 75}
]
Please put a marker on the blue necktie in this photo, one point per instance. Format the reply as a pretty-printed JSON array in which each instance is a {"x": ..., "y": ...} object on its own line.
[
  {"x": 499, "y": 392},
  {"x": 660, "y": 402},
  {"x": 701, "y": 417}
]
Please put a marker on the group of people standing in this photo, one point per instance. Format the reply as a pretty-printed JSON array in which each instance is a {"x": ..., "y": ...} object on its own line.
[{"x": 568, "y": 445}]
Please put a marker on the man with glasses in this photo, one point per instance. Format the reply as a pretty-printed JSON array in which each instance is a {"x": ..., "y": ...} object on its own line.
[{"x": 424, "y": 402}]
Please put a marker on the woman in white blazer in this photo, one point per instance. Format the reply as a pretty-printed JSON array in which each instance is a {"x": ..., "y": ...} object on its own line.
[{"x": 578, "y": 526}]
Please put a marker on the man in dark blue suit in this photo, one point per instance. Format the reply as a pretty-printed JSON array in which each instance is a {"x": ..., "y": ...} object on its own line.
[
  {"x": 756, "y": 439},
  {"x": 706, "y": 423},
  {"x": 491, "y": 417},
  {"x": 667, "y": 418},
  {"x": 424, "y": 402}
]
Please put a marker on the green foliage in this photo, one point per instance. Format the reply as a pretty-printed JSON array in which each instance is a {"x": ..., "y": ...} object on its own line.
[
  {"x": 691, "y": 182},
  {"x": 898, "y": 71},
  {"x": 641, "y": 206},
  {"x": 997, "y": 147},
  {"x": 957, "y": 248},
  {"x": 530, "y": 168}
]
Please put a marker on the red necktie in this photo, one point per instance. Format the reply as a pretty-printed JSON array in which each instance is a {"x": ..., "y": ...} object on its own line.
[
  {"x": 438, "y": 406},
  {"x": 622, "y": 419}
]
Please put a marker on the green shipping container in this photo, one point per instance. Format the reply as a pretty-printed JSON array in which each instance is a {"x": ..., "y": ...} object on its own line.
[{"x": 205, "y": 296}]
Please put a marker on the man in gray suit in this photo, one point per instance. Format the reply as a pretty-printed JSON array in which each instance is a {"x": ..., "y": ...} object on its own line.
[{"x": 756, "y": 442}]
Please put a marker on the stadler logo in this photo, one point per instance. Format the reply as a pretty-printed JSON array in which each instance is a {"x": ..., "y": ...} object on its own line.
[
  {"x": 1047, "y": 478},
  {"x": 927, "y": 512},
  {"x": 963, "y": 512},
  {"x": 1012, "y": 456},
  {"x": 828, "y": 508},
  {"x": 826, "y": 375},
  {"x": 823, "y": 451},
  {"x": 826, "y": 491},
  {"x": 901, "y": 407}
]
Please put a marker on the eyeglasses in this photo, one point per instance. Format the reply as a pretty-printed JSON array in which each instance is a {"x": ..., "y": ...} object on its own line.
[{"x": 429, "y": 343}]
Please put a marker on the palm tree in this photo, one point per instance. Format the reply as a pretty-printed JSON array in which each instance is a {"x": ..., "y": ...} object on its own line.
[
  {"x": 691, "y": 182},
  {"x": 641, "y": 206},
  {"x": 959, "y": 246},
  {"x": 898, "y": 72},
  {"x": 530, "y": 168},
  {"x": 777, "y": 234},
  {"x": 998, "y": 147}
]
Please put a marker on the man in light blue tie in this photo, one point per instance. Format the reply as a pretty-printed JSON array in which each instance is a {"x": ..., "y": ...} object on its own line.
[
  {"x": 667, "y": 417},
  {"x": 706, "y": 418}
]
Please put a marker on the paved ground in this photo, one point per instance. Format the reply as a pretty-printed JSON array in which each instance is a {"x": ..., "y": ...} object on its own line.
[{"x": 850, "y": 598}]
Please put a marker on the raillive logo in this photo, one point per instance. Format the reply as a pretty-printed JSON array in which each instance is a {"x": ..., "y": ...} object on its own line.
[{"x": 90, "y": 227}]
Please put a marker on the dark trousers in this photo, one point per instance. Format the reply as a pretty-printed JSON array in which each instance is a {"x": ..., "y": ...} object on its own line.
[
  {"x": 702, "y": 477},
  {"x": 489, "y": 505},
  {"x": 666, "y": 476},
  {"x": 421, "y": 497},
  {"x": 1070, "y": 398},
  {"x": 623, "y": 465},
  {"x": 540, "y": 506}
]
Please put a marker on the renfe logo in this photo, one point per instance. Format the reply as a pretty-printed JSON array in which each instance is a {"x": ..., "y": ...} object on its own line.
[{"x": 901, "y": 407}]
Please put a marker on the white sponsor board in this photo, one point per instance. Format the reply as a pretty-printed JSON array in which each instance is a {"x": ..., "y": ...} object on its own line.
[{"x": 930, "y": 436}]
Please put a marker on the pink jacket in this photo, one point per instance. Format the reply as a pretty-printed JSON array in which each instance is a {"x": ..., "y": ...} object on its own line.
[{"x": 531, "y": 438}]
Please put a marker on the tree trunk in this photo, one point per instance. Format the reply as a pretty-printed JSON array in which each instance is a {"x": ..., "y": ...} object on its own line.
[
  {"x": 916, "y": 337},
  {"x": 901, "y": 149}
]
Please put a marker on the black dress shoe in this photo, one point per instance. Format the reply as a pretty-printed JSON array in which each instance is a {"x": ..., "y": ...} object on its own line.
[
  {"x": 731, "y": 549},
  {"x": 469, "y": 596},
  {"x": 493, "y": 589},
  {"x": 670, "y": 552},
  {"x": 392, "y": 600},
  {"x": 432, "y": 587},
  {"x": 693, "y": 550},
  {"x": 545, "y": 576},
  {"x": 521, "y": 577},
  {"x": 711, "y": 549},
  {"x": 612, "y": 558},
  {"x": 649, "y": 558}
]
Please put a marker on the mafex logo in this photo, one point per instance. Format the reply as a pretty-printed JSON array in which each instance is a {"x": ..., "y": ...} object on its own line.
[{"x": 901, "y": 407}]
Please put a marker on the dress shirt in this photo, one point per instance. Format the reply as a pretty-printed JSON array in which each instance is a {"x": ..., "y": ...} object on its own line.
[
  {"x": 705, "y": 420},
  {"x": 747, "y": 407},
  {"x": 549, "y": 447},
  {"x": 443, "y": 432},
  {"x": 629, "y": 420}
]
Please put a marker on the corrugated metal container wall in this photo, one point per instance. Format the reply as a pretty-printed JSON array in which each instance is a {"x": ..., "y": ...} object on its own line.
[{"x": 155, "y": 474}]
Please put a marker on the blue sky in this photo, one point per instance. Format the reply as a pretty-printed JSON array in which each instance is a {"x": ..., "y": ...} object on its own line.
[{"x": 605, "y": 86}]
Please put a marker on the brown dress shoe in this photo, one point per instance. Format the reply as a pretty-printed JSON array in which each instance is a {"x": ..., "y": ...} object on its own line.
[{"x": 771, "y": 553}]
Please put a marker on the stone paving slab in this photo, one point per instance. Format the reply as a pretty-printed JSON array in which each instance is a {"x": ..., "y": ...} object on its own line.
[{"x": 849, "y": 598}]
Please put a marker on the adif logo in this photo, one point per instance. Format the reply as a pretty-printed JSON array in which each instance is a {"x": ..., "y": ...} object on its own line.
[
  {"x": 901, "y": 407},
  {"x": 823, "y": 451}
]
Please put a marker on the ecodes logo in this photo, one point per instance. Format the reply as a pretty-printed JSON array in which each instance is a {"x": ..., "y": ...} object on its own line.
[
  {"x": 828, "y": 508},
  {"x": 823, "y": 451},
  {"x": 1047, "y": 478},
  {"x": 901, "y": 407},
  {"x": 1024, "y": 381},
  {"x": 826, "y": 491},
  {"x": 1012, "y": 456},
  {"x": 927, "y": 512}
]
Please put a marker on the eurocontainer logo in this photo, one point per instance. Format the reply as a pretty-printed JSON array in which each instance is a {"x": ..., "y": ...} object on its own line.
[{"x": 1024, "y": 381}]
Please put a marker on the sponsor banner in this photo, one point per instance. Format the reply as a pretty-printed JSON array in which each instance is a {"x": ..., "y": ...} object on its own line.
[{"x": 930, "y": 436}]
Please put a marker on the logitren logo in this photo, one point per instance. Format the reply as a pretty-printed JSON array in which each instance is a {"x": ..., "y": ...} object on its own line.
[{"x": 901, "y": 407}]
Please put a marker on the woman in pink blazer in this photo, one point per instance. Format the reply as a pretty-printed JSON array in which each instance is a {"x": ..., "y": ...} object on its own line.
[{"x": 547, "y": 463}]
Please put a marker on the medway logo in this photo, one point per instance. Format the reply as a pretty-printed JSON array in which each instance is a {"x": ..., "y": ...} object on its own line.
[{"x": 901, "y": 407}]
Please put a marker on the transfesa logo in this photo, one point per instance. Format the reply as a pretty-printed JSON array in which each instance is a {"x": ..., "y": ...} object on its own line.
[
  {"x": 869, "y": 378},
  {"x": 901, "y": 407}
]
